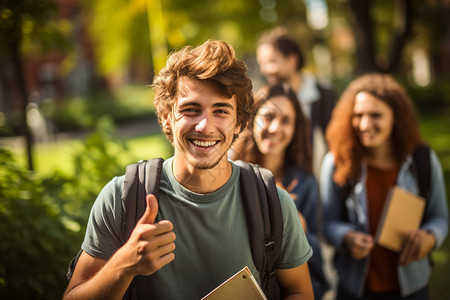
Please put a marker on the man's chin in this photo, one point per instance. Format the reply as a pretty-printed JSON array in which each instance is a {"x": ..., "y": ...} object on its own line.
[{"x": 204, "y": 165}]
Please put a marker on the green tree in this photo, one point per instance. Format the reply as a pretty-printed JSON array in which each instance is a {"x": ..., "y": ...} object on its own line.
[
  {"x": 26, "y": 24},
  {"x": 383, "y": 30}
]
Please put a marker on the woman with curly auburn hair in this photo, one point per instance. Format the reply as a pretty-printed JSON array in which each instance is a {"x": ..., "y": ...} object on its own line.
[
  {"x": 277, "y": 138},
  {"x": 372, "y": 137}
]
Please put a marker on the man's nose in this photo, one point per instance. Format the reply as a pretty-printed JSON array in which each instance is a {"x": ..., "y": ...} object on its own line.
[
  {"x": 205, "y": 124},
  {"x": 268, "y": 69}
]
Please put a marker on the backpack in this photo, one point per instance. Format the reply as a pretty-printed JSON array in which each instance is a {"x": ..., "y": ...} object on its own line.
[{"x": 261, "y": 204}]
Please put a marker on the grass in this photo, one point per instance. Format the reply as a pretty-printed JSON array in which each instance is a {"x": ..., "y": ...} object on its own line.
[{"x": 59, "y": 155}]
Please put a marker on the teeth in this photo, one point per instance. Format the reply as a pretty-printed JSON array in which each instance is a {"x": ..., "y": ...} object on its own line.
[{"x": 204, "y": 143}]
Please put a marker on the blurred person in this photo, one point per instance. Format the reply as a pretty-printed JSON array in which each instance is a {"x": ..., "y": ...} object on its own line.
[
  {"x": 372, "y": 135},
  {"x": 203, "y": 99},
  {"x": 277, "y": 138},
  {"x": 281, "y": 59}
]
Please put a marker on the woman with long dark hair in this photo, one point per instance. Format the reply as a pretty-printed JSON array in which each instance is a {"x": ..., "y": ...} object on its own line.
[{"x": 277, "y": 138}]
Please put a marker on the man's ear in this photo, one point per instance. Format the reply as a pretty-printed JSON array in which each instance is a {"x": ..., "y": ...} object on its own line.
[
  {"x": 237, "y": 129},
  {"x": 165, "y": 121},
  {"x": 166, "y": 124}
]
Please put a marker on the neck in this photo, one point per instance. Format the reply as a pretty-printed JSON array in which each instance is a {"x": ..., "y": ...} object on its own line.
[
  {"x": 202, "y": 181},
  {"x": 296, "y": 81},
  {"x": 274, "y": 163},
  {"x": 382, "y": 157}
]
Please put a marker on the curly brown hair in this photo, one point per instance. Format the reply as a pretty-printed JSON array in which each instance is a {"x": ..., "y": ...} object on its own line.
[
  {"x": 214, "y": 61},
  {"x": 298, "y": 152},
  {"x": 342, "y": 139}
]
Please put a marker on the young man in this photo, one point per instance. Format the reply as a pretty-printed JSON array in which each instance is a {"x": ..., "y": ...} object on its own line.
[
  {"x": 281, "y": 60},
  {"x": 195, "y": 236}
]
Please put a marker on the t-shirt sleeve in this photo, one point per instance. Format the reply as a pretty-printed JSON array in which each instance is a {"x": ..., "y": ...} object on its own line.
[
  {"x": 103, "y": 232},
  {"x": 295, "y": 249}
]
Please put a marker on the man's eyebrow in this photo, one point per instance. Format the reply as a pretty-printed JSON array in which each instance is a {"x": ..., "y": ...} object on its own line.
[
  {"x": 196, "y": 104},
  {"x": 190, "y": 103},
  {"x": 223, "y": 104}
]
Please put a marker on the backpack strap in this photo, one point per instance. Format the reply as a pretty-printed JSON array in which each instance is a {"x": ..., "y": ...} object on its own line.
[
  {"x": 141, "y": 178},
  {"x": 265, "y": 222},
  {"x": 421, "y": 158}
]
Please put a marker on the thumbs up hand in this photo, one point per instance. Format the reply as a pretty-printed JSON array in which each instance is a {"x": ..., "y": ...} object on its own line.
[
  {"x": 150, "y": 246},
  {"x": 151, "y": 211}
]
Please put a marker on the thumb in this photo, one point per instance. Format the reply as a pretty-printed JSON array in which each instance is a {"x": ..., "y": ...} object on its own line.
[{"x": 151, "y": 211}]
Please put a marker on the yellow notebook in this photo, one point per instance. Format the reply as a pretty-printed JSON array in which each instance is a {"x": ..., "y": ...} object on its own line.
[
  {"x": 241, "y": 285},
  {"x": 402, "y": 212}
]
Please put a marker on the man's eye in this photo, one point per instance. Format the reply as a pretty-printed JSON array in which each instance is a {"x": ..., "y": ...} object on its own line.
[
  {"x": 222, "y": 111},
  {"x": 189, "y": 110}
]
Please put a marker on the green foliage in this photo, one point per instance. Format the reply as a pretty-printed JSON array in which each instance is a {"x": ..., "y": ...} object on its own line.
[
  {"x": 35, "y": 245},
  {"x": 31, "y": 23},
  {"x": 119, "y": 31},
  {"x": 100, "y": 158},
  {"x": 42, "y": 220},
  {"x": 125, "y": 104},
  {"x": 434, "y": 98}
]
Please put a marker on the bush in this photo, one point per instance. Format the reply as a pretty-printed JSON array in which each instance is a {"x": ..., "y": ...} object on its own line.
[
  {"x": 35, "y": 243},
  {"x": 43, "y": 220},
  {"x": 126, "y": 104}
]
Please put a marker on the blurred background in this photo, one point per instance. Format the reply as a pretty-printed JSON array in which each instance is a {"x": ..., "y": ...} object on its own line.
[{"x": 76, "y": 106}]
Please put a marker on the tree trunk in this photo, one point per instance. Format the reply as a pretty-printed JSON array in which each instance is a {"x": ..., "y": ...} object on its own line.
[
  {"x": 401, "y": 32},
  {"x": 364, "y": 36},
  {"x": 18, "y": 66}
]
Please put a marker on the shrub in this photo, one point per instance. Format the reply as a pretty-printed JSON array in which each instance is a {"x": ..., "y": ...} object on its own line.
[
  {"x": 43, "y": 220},
  {"x": 35, "y": 243}
]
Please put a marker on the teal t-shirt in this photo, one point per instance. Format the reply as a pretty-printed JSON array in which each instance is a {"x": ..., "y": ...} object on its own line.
[{"x": 212, "y": 240}]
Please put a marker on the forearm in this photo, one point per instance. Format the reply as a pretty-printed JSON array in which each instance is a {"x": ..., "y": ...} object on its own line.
[{"x": 110, "y": 282}]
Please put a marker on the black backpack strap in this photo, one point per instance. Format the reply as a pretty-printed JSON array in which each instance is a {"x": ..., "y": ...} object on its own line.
[
  {"x": 264, "y": 221},
  {"x": 141, "y": 179},
  {"x": 421, "y": 158}
]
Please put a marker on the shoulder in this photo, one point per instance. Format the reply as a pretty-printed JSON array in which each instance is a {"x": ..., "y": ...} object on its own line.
[
  {"x": 113, "y": 189},
  {"x": 298, "y": 177},
  {"x": 108, "y": 201},
  {"x": 286, "y": 201}
]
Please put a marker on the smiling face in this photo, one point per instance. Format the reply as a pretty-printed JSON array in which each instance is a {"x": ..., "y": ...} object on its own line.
[
  {"x": 274, "y": 126},
  {"x": 373, "y": 121},
  {"x": 203, "y": 122},
  {"x": 274, "y": 65}
]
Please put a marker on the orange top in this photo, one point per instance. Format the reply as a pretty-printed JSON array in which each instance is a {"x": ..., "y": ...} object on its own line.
[{"x": 382, "y": 275}]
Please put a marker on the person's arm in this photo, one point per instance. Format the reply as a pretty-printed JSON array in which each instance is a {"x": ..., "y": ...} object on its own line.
[
  {"x": 359, "y": 244},
  {"x": 335, "y": 225},
  {"x": 434, "y": 227},
  {"x": 149, "y": 248},
  {"x": 295, "y": 283},
  {"x": 418, "y": 245}
]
